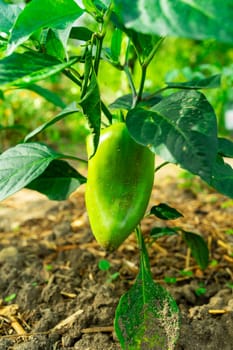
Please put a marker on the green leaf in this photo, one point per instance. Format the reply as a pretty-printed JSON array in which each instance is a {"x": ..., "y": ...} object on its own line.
[
  {"x": 9, "y": 13},
  {"x": 81, "y": 33},
  {"x": 39, "y": 14},
  {"x": 222, "y": 177},
  {"x": 158, "y": 232},
  {"x": 143, "y": 43},
  {"x": 182, "y": 128},
  {"x": 58, "y": 180},
  {"x": 91, "y": 105},
  {"x": 67, "y": 111},
  {"x": 208, "y": 83},
  {"x": 225, "y": 147},
  {"x": 116, "y": 45},
  {"x": 199, "y": 248},
  {"x": 165, "y": 212},
  {"x": 55, "y": 44},
  {"x": 196, "y": 19},
  {"x": 28, "y": 68},
  {"x": 21, "y": 164},
  {"x": 147, "y": 316},
  {"x": 125, "y": 101},
  {"x": 49, "y": 95}
]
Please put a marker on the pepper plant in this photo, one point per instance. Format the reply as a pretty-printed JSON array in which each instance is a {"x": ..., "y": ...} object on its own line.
[{"x": 176, "y": 122}]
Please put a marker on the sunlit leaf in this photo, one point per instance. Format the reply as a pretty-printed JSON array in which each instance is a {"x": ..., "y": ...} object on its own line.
[
  {"x": 196, "y": 19},
  {"x": 40, "y": 14},
  {"x": 21, "y": 164},
  {"x": 21, "y": 70},
  {"x": 181, "y": 128}
]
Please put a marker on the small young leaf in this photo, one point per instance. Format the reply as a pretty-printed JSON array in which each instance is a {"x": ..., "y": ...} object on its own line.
[
  {"x": 70, "y": 109},
  {"x": 198, "y": 248},
  {"x": 58, "y": 180},
  {"x": 147, "y": 316},
  {"x": 21, "y": 164},
  {"x": 165, "y": 212},
  {"x": 158, "y": 232}
]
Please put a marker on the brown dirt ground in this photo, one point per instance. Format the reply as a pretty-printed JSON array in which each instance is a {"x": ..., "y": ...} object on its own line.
[{"x": 54, "y": 296}]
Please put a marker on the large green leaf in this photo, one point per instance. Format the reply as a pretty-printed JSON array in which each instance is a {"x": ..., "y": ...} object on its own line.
[
  {"x": 27, "y": 68},
  {"x": 21, "y": 164},
  {"x": 196, "y": 19},
  {"x": 58, "y": 180},
  {"x": 147, "y": 316},
  {"x": 9, "y": 13},
  {"x": 40, "y": 14},
  {"x": 181, "y": 128}
]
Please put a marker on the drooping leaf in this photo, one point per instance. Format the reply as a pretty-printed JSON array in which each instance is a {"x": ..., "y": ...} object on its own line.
[
  {"x": 21, "y": 70},
  {"x": 58, "y": 180},
  {"x": 198, "y": 247},
  {"x": 181, "y": 128},
  {"x": 39, "y": 14},
  {"x": 165, "y": 212},
  {"x": 9, "y": 13},
  {"x": 21, "y": 164},
  {"x": 196, "y": 19},
  {"x": 225, "y": 147},
  {"x": 207, "y": 83},
  {"x": 67, "y": 111},
  {"x": 158, "y": 232},
  {"x": 47, "y": 94},
  {"x": 147, "y": 316}
]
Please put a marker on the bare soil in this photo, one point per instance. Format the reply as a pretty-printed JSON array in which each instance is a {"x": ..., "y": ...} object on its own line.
[{"x": 54, "y": 296}]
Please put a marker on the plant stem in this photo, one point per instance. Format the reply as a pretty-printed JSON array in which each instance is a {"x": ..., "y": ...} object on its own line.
[
  {"x": 144, "y": 66},
  {"x": 131, "y": 84},
  {"x": 64, "y": 156},
  {"x": 106, "y": 111}
]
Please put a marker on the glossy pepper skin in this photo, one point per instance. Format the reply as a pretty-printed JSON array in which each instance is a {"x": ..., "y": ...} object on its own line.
[{"x": 119, "y": 184}]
